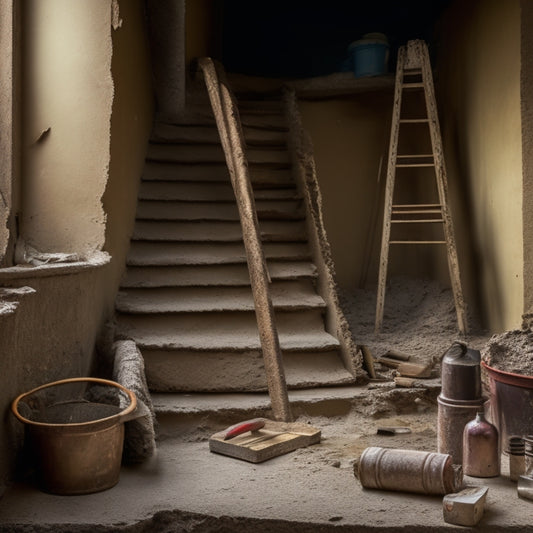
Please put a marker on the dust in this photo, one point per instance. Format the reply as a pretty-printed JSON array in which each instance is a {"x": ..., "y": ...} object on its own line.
[
  {"x": 511, "y": 351},
  {"x": 419, "y": 319}
]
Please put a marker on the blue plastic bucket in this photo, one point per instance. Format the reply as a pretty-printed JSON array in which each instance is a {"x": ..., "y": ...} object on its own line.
[{"x": 370, "y": 57}]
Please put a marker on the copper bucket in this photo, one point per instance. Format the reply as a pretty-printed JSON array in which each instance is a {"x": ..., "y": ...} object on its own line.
[{"x": 75, "y": 428}]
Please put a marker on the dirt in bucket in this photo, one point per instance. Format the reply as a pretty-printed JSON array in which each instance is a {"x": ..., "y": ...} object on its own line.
[{"x": 511, "y": 351}]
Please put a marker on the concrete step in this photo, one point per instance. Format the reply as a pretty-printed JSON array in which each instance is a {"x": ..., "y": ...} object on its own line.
[
  {"x": 286, "y": 296},
  {"x": 217, "y": 231},
  {"x": 224, "y": 211},
  {"x": 225, "y": 332},
  {"x": 259, "y": 176},
  {"x": 233, "y": 372},
  {"x": 200, "y": 192},
  {"x": 212, "y": 275},
  {"x": 202, "y": 115},
  {"x": 176, "y": 412},
  {"x": 161, "y": 254},
  {"x": 210, "y": 153},
  {"x": 174, "y": 133}
]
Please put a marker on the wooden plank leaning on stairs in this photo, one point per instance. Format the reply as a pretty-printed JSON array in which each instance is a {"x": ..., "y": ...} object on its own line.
[{"x": 232, "y": 138}]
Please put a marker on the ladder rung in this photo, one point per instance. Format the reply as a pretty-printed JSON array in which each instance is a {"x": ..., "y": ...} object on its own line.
[
  {"x": 413, "y": 165},
  {"x": 424, "y": 212},
  {"x": 417, "y": 221},
  {"x": 408, "y": 206},
  {"x": 413, "y": 156},
  {"x": 417, "y": 242},
  {"x": 414, "y": 120},
  {"x": 412, "y": 85}
]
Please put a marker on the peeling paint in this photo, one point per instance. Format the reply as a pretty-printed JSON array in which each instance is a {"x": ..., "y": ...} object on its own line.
[{"x": 116, "y": 21}]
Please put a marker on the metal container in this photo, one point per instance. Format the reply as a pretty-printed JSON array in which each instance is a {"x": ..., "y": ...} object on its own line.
[
  {"x": 460, "y": 398},
  {"x": 409, "y": 471},
  {"x": 76, "y": 432},
  {"x": 511, "y": 402},
  {"x": 516, "y": 452},
  {"x": 481, "y": 449},
  {"x": 453, "y": 415},
  {"x": 461, "y": 373}
]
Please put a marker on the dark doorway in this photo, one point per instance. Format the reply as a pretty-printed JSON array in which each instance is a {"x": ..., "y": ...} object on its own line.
[{"x": 306, "y": 38}]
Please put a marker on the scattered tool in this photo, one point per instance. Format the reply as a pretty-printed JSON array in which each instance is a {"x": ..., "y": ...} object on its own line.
[
  {"x": 409, "y": 383},
  {"x": 465, "y": 508},
  {"x": 525, "y": 487},
  {"x": 393, "y": 431},
  {"x": 243, "y": 427},
  {"x": 368, "y": 361},
  {"x": 410, "y": 370},
  {"x": 261, "y": 439},
  {"x": 395, "y": 354}
]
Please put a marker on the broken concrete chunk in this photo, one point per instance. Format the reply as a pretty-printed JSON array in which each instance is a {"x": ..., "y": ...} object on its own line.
[{"x": 464, "y": 508}]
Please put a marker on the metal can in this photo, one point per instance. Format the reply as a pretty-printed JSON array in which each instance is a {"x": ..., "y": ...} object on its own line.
[
  {"x": 409, "y": 471},
  {"x": 452, "y": 417}
]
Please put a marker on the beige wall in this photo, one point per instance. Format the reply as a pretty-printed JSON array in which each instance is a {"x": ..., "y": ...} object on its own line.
[
  {"x": 84, "y": 81},
  {"x": 131, "y": 124},
  {"x": 349, "y": 138},
  {"x": 479, "y": 85},
  {"x": 67, "y": 97}
]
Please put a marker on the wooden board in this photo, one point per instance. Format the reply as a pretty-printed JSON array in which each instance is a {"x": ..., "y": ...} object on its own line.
[{"x": 274, "y": 439}]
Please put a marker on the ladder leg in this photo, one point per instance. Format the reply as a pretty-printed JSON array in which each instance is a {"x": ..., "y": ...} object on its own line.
[
  {"x": 389, "y": 193},
  {"x": 440, "y": 172}
]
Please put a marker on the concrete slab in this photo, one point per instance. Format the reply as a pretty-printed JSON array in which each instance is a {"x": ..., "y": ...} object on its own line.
[{"x": 185, "y": 487}]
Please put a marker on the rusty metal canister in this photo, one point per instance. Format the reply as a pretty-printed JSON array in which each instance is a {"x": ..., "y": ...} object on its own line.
[
  {"x": 481, "y": 449},
  {"x": 452, "y": 419},
  {"x": 409, "y": 471},
  {"x": 460, "y": 398},
  {"x": 461, "y": 373}
]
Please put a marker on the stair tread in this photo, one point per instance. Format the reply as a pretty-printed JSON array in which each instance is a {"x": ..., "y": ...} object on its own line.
[
  {"x": 287, "y": 296},
  {"x": 154, "y": 253},
  {"x": 217, "y": 231},
  {"x": 174, "y": 133},
  {"x": 205, "y": 172},
  {"x": 187, "y": 191},
  {"x": 182, "y": 371},
  {"x": 223, "y": 331},
  {"x": 210, "y": 275},
  {"x": 208, "y": 152},
  {"x": 235, "y": 341},
  {"x": 210, "y": 210}
]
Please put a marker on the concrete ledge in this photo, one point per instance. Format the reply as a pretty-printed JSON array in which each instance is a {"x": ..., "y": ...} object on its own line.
[{"x": 97, "y": 259}]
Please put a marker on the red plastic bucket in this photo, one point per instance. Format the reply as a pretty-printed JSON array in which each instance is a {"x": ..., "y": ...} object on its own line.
[{"x": 511, "y": 403}]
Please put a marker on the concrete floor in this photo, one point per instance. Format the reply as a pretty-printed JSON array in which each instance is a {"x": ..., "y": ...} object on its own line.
[{"x": 185, "y": 487}]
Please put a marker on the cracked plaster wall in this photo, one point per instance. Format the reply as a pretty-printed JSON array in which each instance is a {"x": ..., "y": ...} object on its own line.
[
  {"x": 67, "y": 99},
  {"x": 80, "y": 90}
]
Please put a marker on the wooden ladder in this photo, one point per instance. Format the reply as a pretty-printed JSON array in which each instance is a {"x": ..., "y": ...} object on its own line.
[{"x": 414, "y": 76}]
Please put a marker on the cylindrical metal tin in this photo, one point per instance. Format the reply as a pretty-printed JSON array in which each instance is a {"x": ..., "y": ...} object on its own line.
[
  {"x": 409, "y": 471},
  {"x": 461, "y": 373},
  {"x": 453, "y": 415},
  {"x": 481, "y": 449},
  {"x": 515, "y": 452}
]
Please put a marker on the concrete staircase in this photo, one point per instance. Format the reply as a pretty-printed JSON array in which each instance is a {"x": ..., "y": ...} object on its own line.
[{"x": 185, "y": 297}]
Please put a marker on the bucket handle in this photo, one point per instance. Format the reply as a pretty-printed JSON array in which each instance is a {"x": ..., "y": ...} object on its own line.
[{"x": 122, "y": 415}]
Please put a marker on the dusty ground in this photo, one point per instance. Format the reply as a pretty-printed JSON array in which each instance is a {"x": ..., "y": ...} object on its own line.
[{"x": 187, "y": 488}]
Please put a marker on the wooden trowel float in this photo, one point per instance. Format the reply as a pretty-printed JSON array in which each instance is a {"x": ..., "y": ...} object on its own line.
[{"x": 260, "y": 439}]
